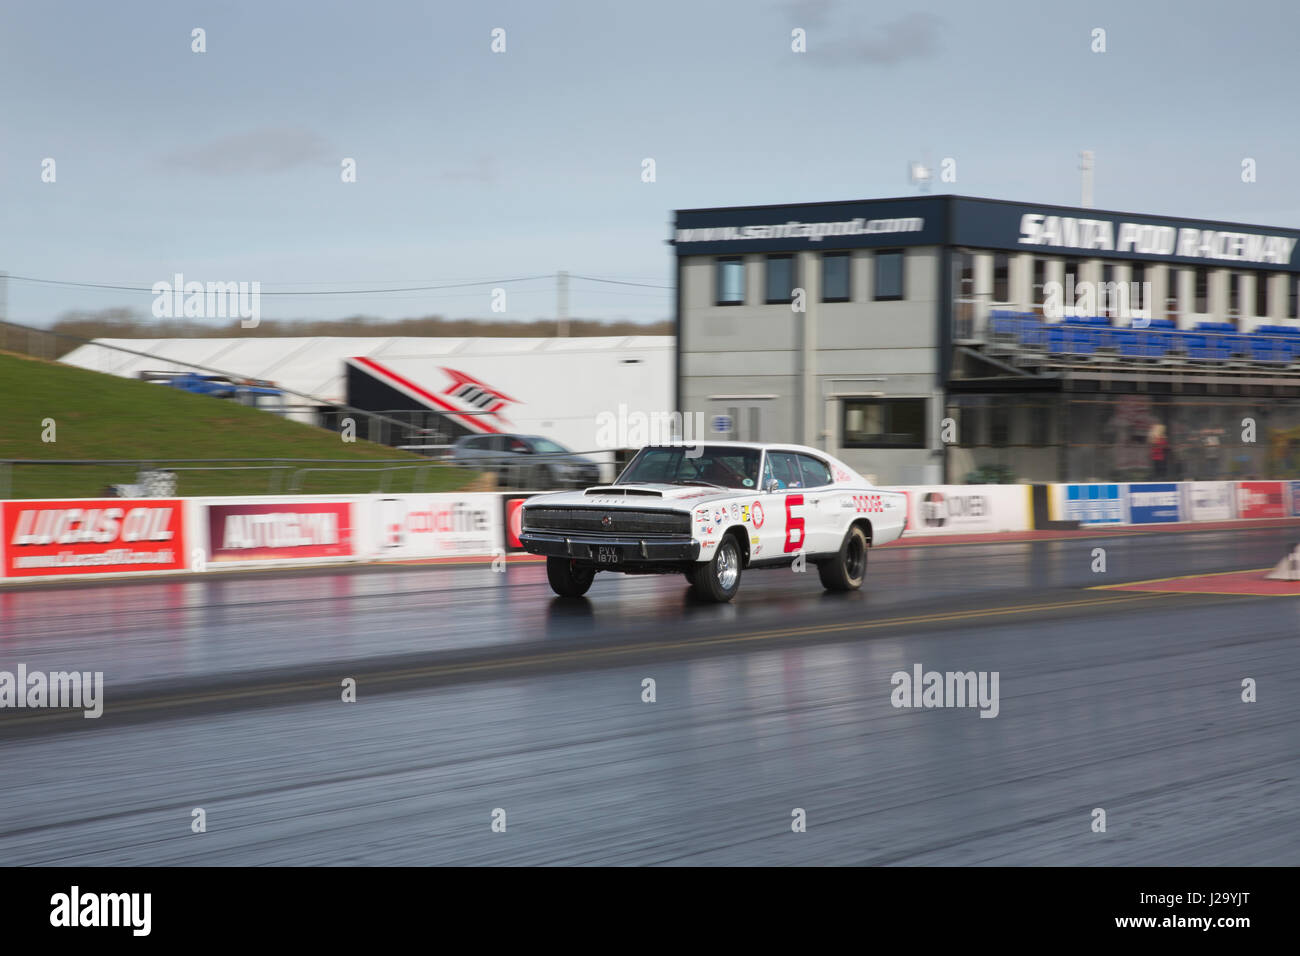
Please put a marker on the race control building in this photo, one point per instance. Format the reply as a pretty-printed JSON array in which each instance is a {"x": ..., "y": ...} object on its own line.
[{"x": 949, "y": 339}]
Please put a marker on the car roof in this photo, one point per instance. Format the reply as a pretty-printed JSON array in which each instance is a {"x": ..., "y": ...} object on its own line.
[{"x": 755, "y": 445}]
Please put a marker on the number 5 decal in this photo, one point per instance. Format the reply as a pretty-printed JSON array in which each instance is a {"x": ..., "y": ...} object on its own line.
[{"x": 793, "y": 523}]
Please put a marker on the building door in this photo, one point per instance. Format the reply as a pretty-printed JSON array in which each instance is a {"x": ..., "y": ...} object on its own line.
[{"x": 735, "y": 420}]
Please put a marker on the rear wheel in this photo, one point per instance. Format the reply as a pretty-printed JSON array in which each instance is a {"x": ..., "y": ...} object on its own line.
[
  {"x": 719, "y": 579},
  {"x": 568, "y": 578},
  {"x": 847, "y": 569}
]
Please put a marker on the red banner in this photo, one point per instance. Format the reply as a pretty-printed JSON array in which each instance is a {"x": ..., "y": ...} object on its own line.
[
  {"x": 93, "y": 536},
  {"x": 513, "y": 517},
  {"x": 278, "y": 530},
  {"x": 1260, "y": 499}
]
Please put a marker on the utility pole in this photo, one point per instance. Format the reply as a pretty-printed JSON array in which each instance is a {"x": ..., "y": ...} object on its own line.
[
  {"x": 4, "y": 307},
  {"x": 562, "y": 303},
  {"x": 1086, "y": 166}
]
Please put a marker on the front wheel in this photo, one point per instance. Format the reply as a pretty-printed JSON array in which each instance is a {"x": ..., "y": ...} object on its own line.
[
  {"x": 568, "y": 578},
  {"x": 719, "y": 580},
  {"x": 845, "y": 571}
]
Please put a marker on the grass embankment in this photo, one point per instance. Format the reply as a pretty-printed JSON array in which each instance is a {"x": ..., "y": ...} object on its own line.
[{"x": 97, "y": 416}]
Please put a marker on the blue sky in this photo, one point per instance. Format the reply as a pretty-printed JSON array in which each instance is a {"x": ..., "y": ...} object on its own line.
[{"x": 475, "y": 166}]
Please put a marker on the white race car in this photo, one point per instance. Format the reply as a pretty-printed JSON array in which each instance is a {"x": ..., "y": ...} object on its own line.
[{"x": 710, "y": 510}]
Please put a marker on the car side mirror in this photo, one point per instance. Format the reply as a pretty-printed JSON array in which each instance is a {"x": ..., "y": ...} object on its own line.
[{"x": 772, "y": 485}]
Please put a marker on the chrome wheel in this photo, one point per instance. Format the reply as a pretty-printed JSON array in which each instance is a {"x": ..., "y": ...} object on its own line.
[
  {"x": 719, "y": 578},
  {"x": 728, "y": 566}
]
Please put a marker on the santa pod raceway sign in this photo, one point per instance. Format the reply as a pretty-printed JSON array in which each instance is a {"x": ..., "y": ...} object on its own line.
[
  {"x": 280, "y": 531},
  {"x": 92, "y": 536}
]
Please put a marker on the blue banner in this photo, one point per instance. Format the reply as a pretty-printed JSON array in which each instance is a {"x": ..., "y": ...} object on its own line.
[
  {"x": 1094, "y": 504},
  {"x": 1154, "y": 503}
]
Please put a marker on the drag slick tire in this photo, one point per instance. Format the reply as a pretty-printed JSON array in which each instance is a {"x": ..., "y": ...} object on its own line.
[
  {"x": 846, "y": 570},
  {"x": 568, "y": 578},
  {"x": 718, "y": 580}
]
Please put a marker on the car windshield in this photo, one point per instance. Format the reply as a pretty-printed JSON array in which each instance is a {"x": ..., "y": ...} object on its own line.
[
  {"x": 544, "y": 446},
  {"x": 724, "y": 466}
]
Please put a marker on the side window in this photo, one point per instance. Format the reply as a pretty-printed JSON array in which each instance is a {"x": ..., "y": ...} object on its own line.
[
  {"x": 815, "y": 473},
  {"x": 517, "y": 447},
  {"x": 785, "y": 469},
  {"x": 496, "y": 442}
]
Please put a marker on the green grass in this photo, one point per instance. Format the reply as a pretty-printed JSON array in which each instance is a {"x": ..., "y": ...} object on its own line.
[{"x": 104, "y": 417}]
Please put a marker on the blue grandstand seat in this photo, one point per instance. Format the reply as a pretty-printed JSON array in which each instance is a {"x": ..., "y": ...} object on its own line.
[{"x": 1261, "y": 349}]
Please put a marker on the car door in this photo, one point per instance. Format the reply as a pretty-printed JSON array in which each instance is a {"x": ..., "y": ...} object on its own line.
[
  {"x": 783, "y": 512},
  {"x": 821, "y": 505}
]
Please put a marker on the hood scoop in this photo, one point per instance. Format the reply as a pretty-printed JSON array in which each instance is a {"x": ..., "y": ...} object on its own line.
[{"x": 625, "y": 492}]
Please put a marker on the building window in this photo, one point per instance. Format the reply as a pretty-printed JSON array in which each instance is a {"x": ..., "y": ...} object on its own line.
[
  {"x": 1001, "y": 273},
  {"x": 1040, "y": 281},
  {"x": 1234, "y": 293},
  {"x": 1137, "y": 298},
  {"x": 965, "y": 276},
  {"x": 884, "y": 422},
  {"x": 999, "y": 426},
  {"x": 889, "y": 275},
  {"x": 1071, "y": 281},
  {"x": 780, "y": 279},
  {"x": 1202, "y": 302},
  {"x": 1107, "y": 296},
  {"x": 1293, "y": 297},
  {"x": 1171, "y": 296},
  {"x": 1262, "y": 280},
  {"x": 835, "y": 276},
  {"x": 731, "y": 281},
  {"x": 1040, "y": 425}
]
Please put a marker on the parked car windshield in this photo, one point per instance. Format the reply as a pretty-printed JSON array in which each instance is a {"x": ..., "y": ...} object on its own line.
[{"x": 720, "y": 465}]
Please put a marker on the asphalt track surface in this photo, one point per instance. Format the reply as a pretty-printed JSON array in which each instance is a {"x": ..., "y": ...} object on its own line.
[{"x": 478, "y": 690}]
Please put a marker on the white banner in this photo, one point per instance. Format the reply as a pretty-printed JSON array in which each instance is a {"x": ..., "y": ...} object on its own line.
[
  {"x": 966, "y": 509},
  {"x": 431, "y": 526},
  {"x": 1209, "y": 500}
]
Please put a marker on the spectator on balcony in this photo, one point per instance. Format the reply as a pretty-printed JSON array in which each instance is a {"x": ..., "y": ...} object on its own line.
[{"x": 1158, "y": 446}]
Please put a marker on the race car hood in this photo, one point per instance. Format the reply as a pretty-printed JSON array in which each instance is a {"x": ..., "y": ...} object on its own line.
[{"x": 677, "y": 497}]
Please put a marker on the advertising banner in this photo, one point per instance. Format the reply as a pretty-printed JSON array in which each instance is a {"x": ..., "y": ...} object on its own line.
[
  {"x": 1209, "y": 500},
  {"x": 433, "y": 526},
  {"x": 1090, "y": 504},
  {"x": 277, "y": 531},
  {"x": 1154, "y": 503},
  {"x": 90, "y": 536},
  {"x": 967, "y": 509},
  {"x": 1260, "y": 499}
]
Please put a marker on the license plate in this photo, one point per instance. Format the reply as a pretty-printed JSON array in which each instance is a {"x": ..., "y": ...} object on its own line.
[{"x": 607, "y": 555}]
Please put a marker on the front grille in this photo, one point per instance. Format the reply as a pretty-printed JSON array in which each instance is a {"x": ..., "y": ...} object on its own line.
[{"x": 622, "y": 521}]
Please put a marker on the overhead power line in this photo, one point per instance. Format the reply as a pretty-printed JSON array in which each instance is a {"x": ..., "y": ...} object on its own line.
[
  {"x": 426, "y": 288},
  {"x": 644, "y": 285}
]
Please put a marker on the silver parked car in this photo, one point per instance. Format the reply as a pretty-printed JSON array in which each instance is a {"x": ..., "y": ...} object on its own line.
[{"x": 525, "y": 461}]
